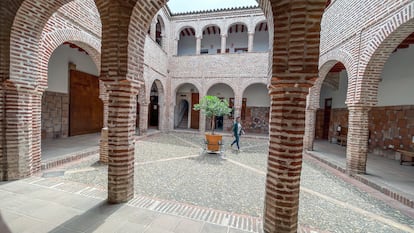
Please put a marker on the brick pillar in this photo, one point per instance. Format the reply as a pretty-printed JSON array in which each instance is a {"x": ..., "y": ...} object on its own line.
[
  {"x": 143, "y": 118},
  {"x": 103, "y": 146},
  {"x": 285, "y": 158},
  {"x": 250, "y": 42},
  {"x": 310, "y": 123},
  {"x": 223, "y": 43},
  {"x": 17, "y": 135},
  {"x": 103, "y": 143},
  {"x": 357, "y": 140},
  {"x": 121, "y": 142}
]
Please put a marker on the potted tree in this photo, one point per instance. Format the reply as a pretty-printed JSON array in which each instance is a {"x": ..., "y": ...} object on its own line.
[{"x": 213, "y": 107}]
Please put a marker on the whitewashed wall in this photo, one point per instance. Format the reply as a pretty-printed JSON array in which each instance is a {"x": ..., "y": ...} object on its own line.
[
  {"x": 257, "y": 96},
  {"x": 397, "y": 85},
  {"x": 58, "y": 68}
]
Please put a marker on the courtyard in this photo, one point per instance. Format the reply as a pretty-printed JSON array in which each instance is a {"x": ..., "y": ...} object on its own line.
[{"x": 174, "y": 178}]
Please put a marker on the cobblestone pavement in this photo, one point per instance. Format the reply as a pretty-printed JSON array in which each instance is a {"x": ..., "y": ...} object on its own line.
[{"x": 170, "y": 167}]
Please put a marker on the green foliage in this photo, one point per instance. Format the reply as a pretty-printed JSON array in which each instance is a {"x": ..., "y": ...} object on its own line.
[{"x": 212, "y": 106}]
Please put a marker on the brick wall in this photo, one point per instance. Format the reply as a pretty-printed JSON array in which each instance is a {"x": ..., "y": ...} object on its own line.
[{"x": 55, "y": 115}]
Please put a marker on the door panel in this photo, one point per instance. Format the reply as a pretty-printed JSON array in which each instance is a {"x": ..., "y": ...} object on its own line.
[
  {"x": 327, "y": 118},
  {"x": 85, "y": 107},
  {"x": 195, "y": 115}
]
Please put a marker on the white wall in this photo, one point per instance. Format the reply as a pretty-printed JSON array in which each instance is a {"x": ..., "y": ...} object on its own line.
[
  {"x": 186, "y": 88},
  {"x": 257, "y": 96},
  {"x": 338, "y": 96},
  {"x": 397, "y": 85},
  {"x": 58, "y": 68}
]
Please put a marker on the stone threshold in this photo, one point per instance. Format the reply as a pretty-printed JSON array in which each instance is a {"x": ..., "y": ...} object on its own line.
[{"x": 63, "y": 159}]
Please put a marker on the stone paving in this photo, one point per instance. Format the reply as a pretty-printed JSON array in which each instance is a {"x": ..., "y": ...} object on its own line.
[
  {"x": 169, "y": 166},
  {"x": 176, "y": 183}
]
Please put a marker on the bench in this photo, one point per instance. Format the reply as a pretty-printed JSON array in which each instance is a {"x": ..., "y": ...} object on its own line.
[
  {"x": 406, "y": 153},
  {"x": 342, "y": 136}
]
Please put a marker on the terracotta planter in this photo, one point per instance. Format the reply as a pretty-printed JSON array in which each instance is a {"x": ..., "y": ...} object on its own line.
[{"x": 213, "y": 142}]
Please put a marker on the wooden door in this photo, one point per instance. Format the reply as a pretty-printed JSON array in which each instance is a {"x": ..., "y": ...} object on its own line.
[
  {"x": 85, "y": 107},
  {"x": 327, "y": 118},
  {"x": 195, "y": 115}
]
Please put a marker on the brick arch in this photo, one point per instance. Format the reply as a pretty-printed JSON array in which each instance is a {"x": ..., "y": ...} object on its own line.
[
  {"x": 31, "y": 29},
  {"x": 326, "y": 62},
  {"x": 51, "y": 41},
  {"x": 377, "y": 52}
]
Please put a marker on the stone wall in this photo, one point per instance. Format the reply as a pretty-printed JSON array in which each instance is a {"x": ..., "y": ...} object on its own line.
[
  {"x": 257, "y": 120},
  {"x": 55, "y": 115},
  {"x": 391, "y": 127}
]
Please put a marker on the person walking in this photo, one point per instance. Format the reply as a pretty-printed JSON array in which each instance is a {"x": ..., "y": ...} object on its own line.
[{"x": 237, "y": 131}]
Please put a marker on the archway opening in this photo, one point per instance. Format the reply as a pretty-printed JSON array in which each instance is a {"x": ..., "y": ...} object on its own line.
[
  {"x": 184, "y": 115},
  {"x": 261, "y": 37},
  {"x": 187, "y": 42},
  {"x": 332, "y": 116},
  {"x": 237, "y": 41},
  {"x": 153, "y": 108},
  {"x": 390, "y": 121},
  {"x": 211, "y": 42},
  {"x": 223, "y": 91},
  {"x": 255, "y": 109},
  {"x": 71, "y": 105}
]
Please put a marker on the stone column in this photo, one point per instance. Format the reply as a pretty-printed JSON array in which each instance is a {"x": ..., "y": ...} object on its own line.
[
  {"x": 287, "y": 119},
  {"x": 310, "y": 122},
  {"x": 121, "y": 142},
  {"x": 202, "y": 125},
  {"x": 153, "y": 31},
  {"x": 357, "y": 139},
  {"x": 198, "y": 45},
  {"x": 250, "y": 42},
  {"x": 223, "y": 43},
  {"x": 143, "y": 118},
  {"x": 175, "y": 49}
]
